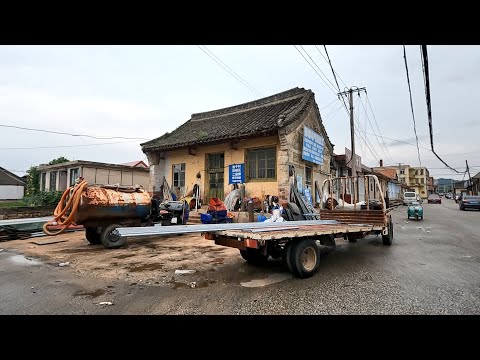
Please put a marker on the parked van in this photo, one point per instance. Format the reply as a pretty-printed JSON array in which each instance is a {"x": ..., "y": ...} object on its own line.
[{"x": 409, "y": 197}]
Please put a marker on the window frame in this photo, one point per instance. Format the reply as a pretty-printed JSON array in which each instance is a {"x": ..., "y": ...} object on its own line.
[
  {"x": 72, "y": 181},
  {"x": 247, "y": 164},
  {"x": 43, "y": 181},
  {"x": 184, "y": 171},
  {"x": 54, "y": 182}
]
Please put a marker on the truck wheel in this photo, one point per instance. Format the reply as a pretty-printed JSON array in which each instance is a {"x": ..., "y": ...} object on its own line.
[
  {"x": 287, "y": 256},
  {"x": 253, "y": 256},
  {"x": 111, "y": 238},
  {"x": 305, "y": 258},
  {"x": 352, "y": 238},
  {"x": 387, "y": 239},
  {"x": 92, "y": 235}
]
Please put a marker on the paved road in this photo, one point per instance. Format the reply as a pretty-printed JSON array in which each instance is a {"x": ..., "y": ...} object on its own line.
[{"x": 432, "y": 268}]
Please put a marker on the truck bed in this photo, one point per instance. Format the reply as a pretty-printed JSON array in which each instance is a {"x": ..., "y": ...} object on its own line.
[{"x": 292, "y": 231}]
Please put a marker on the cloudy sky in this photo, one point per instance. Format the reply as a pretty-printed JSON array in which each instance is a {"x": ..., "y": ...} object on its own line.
[{"x": 129, "y": 93}]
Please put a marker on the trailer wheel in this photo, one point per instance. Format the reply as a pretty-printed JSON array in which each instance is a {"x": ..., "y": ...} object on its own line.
[
  {"x": 387, "y": 239},
  {"x": 110, "y": 237},
  {"x": 92, "y": 235},
  {"x": 254, "y": 256},
  {"x": 305, "y": 258},
  {"x": 352, "y": 238}
]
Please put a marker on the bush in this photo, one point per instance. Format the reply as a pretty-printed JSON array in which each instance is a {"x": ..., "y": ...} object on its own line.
[{"x": 43, "y": 198}]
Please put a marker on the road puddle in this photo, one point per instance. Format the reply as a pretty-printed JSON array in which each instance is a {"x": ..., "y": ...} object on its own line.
[
  {"x": 22, "y": 260},
  {"x": 269, "y": 280}
]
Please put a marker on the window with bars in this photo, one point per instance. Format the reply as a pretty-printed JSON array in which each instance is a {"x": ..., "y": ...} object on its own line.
[
  {"x": 44, "y": 180},
  {"x": 261, "y": 164},
  {"x": 53, "y": 181},
  {"x": 73, "y": 176},
  {"x": 179, "y": 175}
]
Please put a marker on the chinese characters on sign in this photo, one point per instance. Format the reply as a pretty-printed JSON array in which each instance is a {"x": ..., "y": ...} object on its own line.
[
  {"x": 313, "y": 144},
  {"x": 236, "y": 174}
]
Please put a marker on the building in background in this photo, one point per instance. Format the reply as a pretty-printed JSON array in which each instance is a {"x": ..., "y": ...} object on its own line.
[
  {"x": 138, "y": 163},
  {"x": 59, "y": 177},
  {"x": 414, "y": 178},
  {"x": 475, "y": 186},
  {"x": 12, "y": 187},
  {"x": 252, "y": 144}
]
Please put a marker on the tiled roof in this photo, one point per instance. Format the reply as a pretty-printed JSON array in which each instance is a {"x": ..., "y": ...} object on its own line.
[
  {"x": 9, "y": 178},
  {"x": 138, "y": 163},
  {"x": 261, "y": 117}
]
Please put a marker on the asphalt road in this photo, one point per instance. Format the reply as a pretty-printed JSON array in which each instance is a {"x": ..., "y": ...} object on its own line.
[{"x": 432, "y": 268}]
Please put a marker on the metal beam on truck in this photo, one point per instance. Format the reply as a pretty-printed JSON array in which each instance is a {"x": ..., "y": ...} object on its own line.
[{"x": 189, "y": 229}]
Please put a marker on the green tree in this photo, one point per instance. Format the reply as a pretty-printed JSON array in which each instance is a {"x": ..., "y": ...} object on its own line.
[
  {"x": 33, "y": 181},
  {"x": 59, "y": 160}
]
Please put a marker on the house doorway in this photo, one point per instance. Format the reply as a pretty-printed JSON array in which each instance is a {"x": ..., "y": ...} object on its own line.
[{"x": 215, "y": 178}]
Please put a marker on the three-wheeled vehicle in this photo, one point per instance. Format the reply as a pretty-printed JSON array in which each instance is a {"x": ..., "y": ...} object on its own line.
[{"x": 415, "y": 210}]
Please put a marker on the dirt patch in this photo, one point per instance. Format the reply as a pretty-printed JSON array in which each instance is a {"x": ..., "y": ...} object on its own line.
[
  {"x": 149, "y": 261},
  {"x": 145, "y": 267},
  {"x": 91, "y": 294},
  {"x": 125, "y": 256}
]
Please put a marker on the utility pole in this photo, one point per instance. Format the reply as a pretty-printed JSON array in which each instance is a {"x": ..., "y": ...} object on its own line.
[
  {"x": 469, "y": 177},
  {"x": 352, "y": 126}
]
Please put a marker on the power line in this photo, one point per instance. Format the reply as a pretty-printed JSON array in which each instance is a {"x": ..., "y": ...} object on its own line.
[
  {"x": 318, "y": 67},
  {"x": 315, "y": 70},
  {"x": 229, "y": 70},
  {"x": 426, "y": 79},
  {"x": 65, "y": 146},
  {"x": 376, "y": 123},
  {"x": 335, "y": 74},
  {"x": 329, "y": 104},
  {"x": 411, "y": 104},
  {"x": 76, "y": 135},
  {"x": 384, "y": 149}
]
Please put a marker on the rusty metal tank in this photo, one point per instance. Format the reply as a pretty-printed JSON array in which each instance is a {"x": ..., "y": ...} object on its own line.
[{"x": 101, "y": 203}]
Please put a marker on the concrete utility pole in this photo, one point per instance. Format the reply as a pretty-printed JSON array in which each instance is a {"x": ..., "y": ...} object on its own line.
[
  {"x": 469, "y": 177},
  {"x": 352, "y": 128}
]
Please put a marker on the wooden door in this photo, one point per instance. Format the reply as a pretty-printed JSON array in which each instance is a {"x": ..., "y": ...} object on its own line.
[{"x": 215, "y": 178}]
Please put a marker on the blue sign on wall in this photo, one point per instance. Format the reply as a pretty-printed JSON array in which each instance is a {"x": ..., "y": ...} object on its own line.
[
  {"x": 313, "y": 145},
  {"x": 236, "y": 174}
]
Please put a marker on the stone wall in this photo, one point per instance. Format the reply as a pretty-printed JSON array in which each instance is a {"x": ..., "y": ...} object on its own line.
[{"x": 23, "y": 212}]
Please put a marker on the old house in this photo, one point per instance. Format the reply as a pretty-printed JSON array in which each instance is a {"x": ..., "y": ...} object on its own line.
[
  {"x": 60, "y": 176},
  {"x": 252, "y": 144},
  {"x": 12, "y": 187}
]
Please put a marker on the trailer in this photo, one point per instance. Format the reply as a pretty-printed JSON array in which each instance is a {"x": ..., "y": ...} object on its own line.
[{"x": 355, "y": 204}]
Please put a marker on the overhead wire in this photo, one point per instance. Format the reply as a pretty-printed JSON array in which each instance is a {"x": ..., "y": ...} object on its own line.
[
  {"x": 229, "y": 70},
  {"x": 65, "y": 146},
  {"x": 70, "y": 134},
  {"x": 426, "y": 78},
  {"x": 318, "y": 67},
  {"x": 330, "y": 88},
  {"x": 383, "y": 148},
  {"x": 411, "y": 103},
  {"x": 376, "y": 123}
]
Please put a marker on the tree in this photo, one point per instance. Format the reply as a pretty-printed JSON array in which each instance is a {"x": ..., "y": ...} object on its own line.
[
  {"x": 33, "y": 181},
  {"x": 59, "y": 160}
]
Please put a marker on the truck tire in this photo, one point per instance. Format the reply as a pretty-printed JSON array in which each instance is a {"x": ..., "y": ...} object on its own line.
[
  {"x": 253, "y": 256},
  {"x": 110, "y": 238},
  {"x": 287, "y": 256},
  {"x": 305, "y": 258},
  {"x": 352, "y": 238},
  {"x": 92, "y": 235},
  {"x": 387, "y": 239}
]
